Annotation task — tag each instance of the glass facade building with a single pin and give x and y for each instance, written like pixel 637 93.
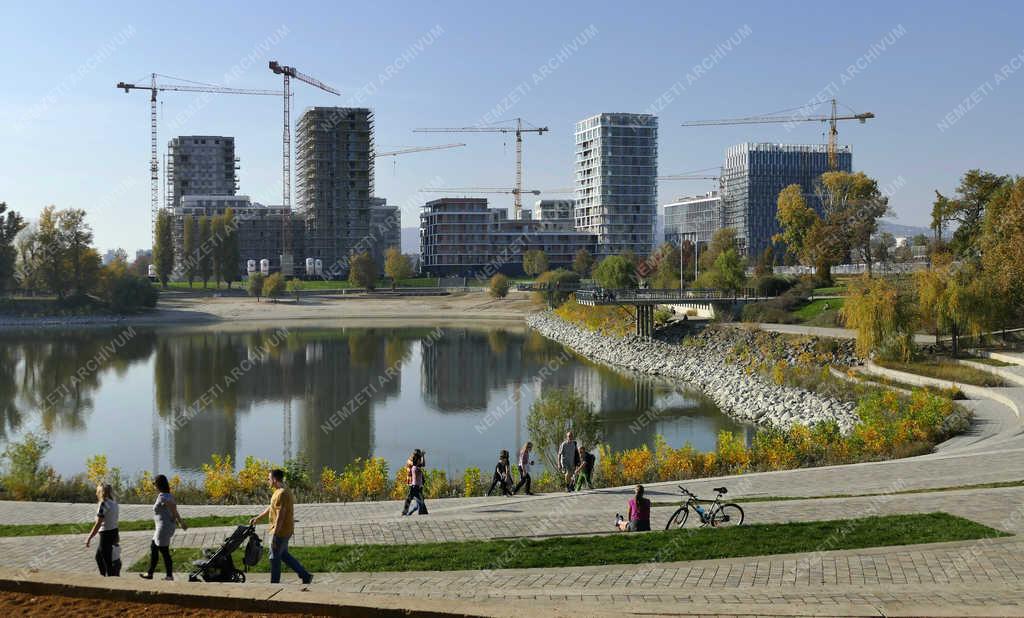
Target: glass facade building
pixel 693 218
pixel 753 176
pixel 616 187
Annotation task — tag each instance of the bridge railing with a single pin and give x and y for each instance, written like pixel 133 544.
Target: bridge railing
pixel 669 295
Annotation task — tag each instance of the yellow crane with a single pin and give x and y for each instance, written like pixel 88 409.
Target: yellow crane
pixel 518 129
pixel 832 120
pixel 153 87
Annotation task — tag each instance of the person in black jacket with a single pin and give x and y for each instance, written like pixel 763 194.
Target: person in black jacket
pixel 502 475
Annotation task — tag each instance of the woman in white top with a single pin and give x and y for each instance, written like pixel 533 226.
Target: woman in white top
pixel 106 526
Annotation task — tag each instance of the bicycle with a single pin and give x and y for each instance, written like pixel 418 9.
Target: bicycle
pixel 718 515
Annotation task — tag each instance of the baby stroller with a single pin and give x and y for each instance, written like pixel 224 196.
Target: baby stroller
pixel 217 565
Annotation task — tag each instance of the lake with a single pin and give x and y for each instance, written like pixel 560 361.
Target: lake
pixel 167 399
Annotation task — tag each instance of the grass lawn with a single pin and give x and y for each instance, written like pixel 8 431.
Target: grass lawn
pixel 832 291
pixel 946 370
pixel 992 362
pixel 659 546
pixel 816 307
pixel 123 526
pixel 957 394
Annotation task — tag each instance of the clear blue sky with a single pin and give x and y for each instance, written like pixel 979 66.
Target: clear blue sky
pixel 70 138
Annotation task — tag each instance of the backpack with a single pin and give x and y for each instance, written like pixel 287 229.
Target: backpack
pixel 253 551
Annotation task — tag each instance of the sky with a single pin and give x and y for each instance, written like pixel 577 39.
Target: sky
pixel 944 79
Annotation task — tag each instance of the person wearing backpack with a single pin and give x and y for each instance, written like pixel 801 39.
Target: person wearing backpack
pixel 108 554
pixel 585 470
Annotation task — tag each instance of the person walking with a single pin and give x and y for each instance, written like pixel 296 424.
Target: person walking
pixel 166 517
pixel 585 469
pixel 282 526
pixel 524 469
pixel 568 459
pixel 502 475
pixel 108 554
pixel 415 464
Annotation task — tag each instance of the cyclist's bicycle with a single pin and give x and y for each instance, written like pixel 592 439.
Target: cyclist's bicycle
pixel 718 515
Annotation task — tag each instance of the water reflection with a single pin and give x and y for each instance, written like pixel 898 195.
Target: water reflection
pixel 171 399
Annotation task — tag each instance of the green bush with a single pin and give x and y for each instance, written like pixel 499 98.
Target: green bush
pixel 129 293
pixel 25 476
pixel 498 286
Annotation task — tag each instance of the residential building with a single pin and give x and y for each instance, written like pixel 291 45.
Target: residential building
pixel 334 183
pixel 259 228
pixel 695 219
pixel 200 165
pixel 559 212
pixel 385 230
pixel 616 187
pixel 463 237
pixel 754 174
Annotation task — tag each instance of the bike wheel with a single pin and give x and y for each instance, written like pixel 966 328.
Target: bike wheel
pixel 678 519
pixel 729 514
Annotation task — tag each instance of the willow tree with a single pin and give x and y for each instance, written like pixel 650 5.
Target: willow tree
pixel 880 312
pixel 1002 257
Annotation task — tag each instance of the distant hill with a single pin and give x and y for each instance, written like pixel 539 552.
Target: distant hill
pixel 411 240
pixel 897 229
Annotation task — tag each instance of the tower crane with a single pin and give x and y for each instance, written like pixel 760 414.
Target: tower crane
pixel 832 120
pixel 686 177
pixel 411 149
pixel 153 87
pixel 518 129
pixel 287 72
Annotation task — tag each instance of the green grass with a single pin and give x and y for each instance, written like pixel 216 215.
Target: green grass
pixel 928 490
pixel 124 526
pixel 830 291
pixel 992 362
pixel 659 546
pixel 946 370
pixel 816 307
pixel 956 394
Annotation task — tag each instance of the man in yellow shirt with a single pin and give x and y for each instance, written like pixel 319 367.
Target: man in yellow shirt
pixel 282 526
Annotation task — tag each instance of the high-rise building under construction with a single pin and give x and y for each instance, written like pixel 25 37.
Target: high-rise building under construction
pixel 334 182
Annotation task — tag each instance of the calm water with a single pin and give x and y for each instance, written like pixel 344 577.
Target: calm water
pixel 169 399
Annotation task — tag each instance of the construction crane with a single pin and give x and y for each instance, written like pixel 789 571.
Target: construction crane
pixel 153 87
pixel 832 120
pixel 518 129
pixel 495 190
pixel 411 149
pixel 686 177
pixel 287 264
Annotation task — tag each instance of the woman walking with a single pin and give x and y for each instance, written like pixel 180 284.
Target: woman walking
pixel 417 461
pixel 502 475
pixel 106 526
pixel 166 518
pixel 524 468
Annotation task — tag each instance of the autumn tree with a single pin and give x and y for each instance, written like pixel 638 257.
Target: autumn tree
pixel 853 205
pixel 881 314
pixel 163 247
pixel 397 266
pixel 583 262
pixel 204 258
pixel 498 286
pixel 967 208
pixel 535 261
pixel 1002 245
pixel 362 271
pixel 665 263
pixel 230 257
pixel 796 219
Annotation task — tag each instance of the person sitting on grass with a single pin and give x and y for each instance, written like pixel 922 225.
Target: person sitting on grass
pixel 639 514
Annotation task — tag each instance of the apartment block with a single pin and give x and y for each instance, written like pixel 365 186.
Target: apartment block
pixel 695 219
pixel 754 174
pixel 334 182
pixel 616 181
pixel 463 237
pixel 385 230
pixel 200 165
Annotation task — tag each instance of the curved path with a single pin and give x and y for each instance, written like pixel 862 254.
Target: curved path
pixel 935 579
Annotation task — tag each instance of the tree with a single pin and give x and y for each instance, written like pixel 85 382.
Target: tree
pixel 362 271
pixel 880 313
pixel 188 249
pixel 204 259
pixel 535 262
pixel 295 287
pixel 765 262
pixel 556 412
pixel 396 265
pixel 274 286
pixel 967 207
pixel 882 248
pixel 822 251
pixel 56 255
pixel 498 286
pixel 1002 244
pixel 255 285
pixel 949 298
pixel 84 261
pixel 230 256
pixel 853 205
pixel 723 239
pixel 583 262
pixel 727 273
pixel 555 286
pixel 216 249
pixel 665 261
pixel 10 225
pixel 796 219
pixel 163 247
pixel 615 272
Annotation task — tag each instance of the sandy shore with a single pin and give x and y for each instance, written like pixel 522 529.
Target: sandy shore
pixel 354 310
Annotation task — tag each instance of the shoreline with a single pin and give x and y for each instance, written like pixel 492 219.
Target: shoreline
pixel 743 396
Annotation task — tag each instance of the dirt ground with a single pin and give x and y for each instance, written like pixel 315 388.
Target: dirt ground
pixel 20 604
